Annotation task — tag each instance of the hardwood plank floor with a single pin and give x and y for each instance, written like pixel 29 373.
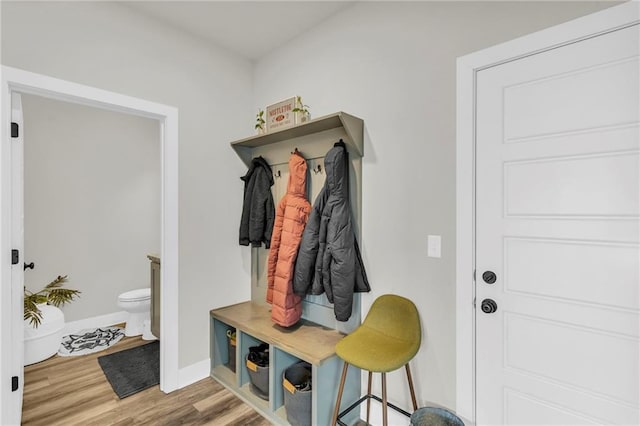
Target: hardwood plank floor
pixel 74 391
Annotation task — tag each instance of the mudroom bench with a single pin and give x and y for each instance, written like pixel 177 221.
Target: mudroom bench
pixel 314 338
pixel 307 341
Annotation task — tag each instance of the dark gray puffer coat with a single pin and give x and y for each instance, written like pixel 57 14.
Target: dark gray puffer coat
pixel 329 258
pixel 258 210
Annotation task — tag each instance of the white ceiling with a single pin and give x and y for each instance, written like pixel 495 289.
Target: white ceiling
pixel 249 28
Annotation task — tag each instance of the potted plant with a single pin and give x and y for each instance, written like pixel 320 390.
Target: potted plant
pixel 260 122
pixel 43 319
pixel 301 110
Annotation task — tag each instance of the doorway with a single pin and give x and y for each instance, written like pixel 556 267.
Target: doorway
pixel 91 204
pixel 11 222
pixel 548 225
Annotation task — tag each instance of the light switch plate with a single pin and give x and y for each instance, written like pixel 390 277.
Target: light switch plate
pixel 434 243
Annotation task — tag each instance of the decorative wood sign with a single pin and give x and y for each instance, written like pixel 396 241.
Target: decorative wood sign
pixel 281 115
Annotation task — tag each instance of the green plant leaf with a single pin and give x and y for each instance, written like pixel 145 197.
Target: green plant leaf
pixel 60 296
pixel 52 294
pixel 31 312
pixel 57 282
pixel 40 298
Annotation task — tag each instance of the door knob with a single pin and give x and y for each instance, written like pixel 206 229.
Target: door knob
pixel 489 277
pixel 489 306
pixel 28 265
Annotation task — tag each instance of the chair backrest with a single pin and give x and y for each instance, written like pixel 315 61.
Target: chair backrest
pixel 395 316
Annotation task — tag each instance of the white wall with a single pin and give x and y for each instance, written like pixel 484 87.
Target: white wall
pixel 108 46
pixel 393 64
pixel 92 201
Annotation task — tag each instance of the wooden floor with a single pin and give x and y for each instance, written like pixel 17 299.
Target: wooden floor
pixel 74 391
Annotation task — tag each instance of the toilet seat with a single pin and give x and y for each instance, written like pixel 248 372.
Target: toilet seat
pixel 135 295
pixel 137 305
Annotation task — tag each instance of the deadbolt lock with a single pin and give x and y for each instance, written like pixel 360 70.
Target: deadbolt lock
pixel 489 277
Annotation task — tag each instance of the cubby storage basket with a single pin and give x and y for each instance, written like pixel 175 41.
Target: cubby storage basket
pixel 259 379
pixel 231 347
pixel 297 402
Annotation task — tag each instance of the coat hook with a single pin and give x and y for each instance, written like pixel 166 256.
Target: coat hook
pixel 317 169
pixel 295 151
pixel 277 175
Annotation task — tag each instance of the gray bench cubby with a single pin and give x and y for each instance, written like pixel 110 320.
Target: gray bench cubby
pixel 307 342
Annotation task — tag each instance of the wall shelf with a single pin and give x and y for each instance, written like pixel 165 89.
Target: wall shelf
pixel 351 126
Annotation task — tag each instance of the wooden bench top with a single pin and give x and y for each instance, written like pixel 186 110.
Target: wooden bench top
pixel 305 340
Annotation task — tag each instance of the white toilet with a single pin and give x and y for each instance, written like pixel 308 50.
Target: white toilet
pixel 138 304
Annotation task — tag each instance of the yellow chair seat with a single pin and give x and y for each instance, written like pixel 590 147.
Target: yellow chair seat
pixel 388 339
pixel 372 350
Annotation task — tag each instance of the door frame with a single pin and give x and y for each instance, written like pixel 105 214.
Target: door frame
pixel 20 81
pixel 608 20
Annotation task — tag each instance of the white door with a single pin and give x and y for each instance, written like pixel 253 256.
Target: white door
pixel 17 270
pixel 557 221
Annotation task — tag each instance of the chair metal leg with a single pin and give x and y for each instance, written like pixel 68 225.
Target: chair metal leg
pixel 413 393
pixel 384 399
pixel 369 394
pixel 336 410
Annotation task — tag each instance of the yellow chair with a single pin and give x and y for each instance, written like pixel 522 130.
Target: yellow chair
pixel 388 338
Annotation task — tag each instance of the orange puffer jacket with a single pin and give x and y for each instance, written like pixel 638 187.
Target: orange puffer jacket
pixel 291 218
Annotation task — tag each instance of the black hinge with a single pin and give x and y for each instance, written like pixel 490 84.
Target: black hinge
pixel 15 256
pixel 14 383
pixel 14 130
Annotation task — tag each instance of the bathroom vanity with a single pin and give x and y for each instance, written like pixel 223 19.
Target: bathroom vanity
pixel 155 294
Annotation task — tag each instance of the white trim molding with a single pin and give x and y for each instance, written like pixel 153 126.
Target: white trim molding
pixel 194 372
pixel 612 19
pixel 15 80
pixel 105 320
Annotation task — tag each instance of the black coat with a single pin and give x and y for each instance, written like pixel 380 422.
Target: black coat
pixel 258 211
pixel 329 259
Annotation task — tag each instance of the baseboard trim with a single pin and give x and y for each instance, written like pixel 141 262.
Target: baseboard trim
pixel 95 322
pixel 194 372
